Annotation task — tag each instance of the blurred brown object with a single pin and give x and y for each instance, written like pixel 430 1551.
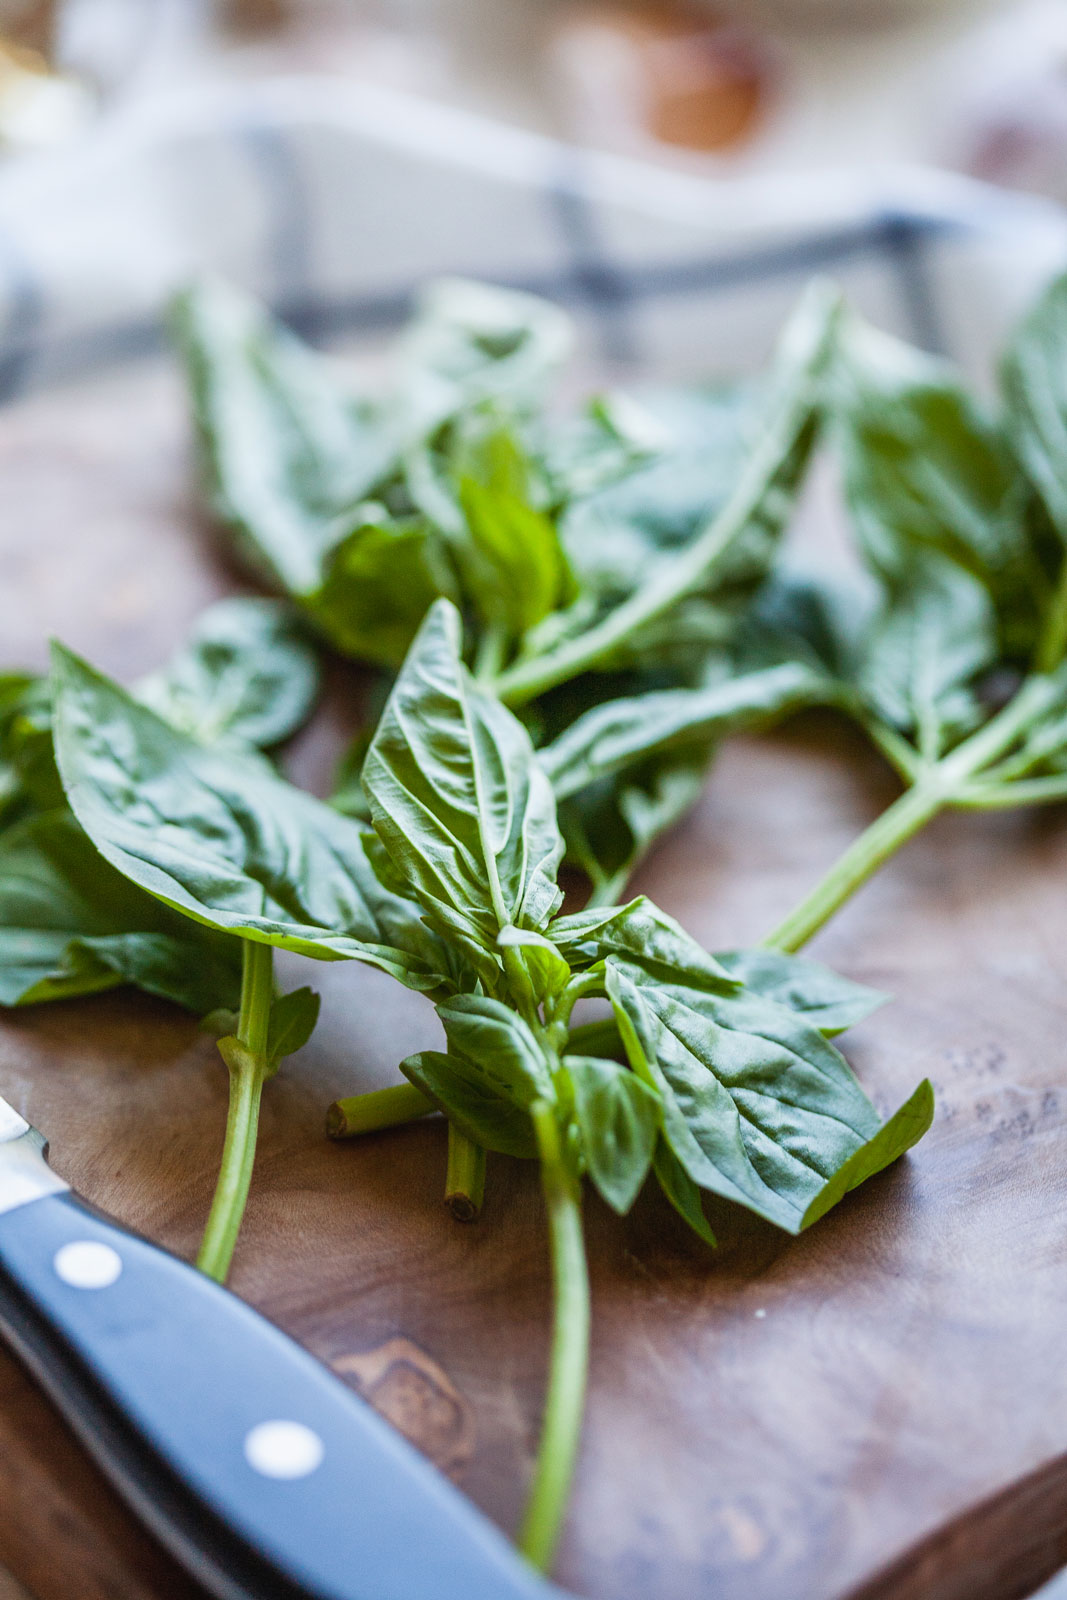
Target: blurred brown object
pixel 256 16
pixel 678 75
pixel 29 25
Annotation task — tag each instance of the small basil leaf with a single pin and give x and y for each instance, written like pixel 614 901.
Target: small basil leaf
pixel 828 1001
pixel 680 1190
pixel 757 1105
pixel 618 1117
pixel 496 1041
pixel 549 972
pixel 457 797
pixel 29 781
pixel 291 1023
pixel 378 581
pixel 474 342
pixel 604 443
pixel 612 736
pixel 285 444
pixel 894 1139
pixel 247 672
pixel 71 925
pixel 512 562
pixel 1033 378
pixel 223 839
pixel 470 1101
pixel 643 934
pixel 925 651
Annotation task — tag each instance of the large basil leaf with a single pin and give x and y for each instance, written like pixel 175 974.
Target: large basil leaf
pixel 758 1107
pixel 925 652
pixel 247 672
pixel 223 839
pixel 612 736
pixel 830 1002
pixel 70 924
pixel 1033 379
pixel 286 445
pixel 618 1118
pixel 926 470
pixel 462 806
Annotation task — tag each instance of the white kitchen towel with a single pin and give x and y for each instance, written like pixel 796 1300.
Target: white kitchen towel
pixel 335 200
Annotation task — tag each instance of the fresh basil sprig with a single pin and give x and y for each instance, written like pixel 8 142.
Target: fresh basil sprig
pixel 727 1088
pixel 959 674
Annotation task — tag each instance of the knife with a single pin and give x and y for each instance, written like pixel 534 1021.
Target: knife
pixel 263 1474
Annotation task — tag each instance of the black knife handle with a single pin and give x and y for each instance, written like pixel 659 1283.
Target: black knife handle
pixel 259 1470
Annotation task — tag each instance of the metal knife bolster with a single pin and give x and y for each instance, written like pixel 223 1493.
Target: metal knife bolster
pixel 261 1472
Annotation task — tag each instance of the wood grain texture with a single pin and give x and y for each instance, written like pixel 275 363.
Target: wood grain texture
pixel 876 1411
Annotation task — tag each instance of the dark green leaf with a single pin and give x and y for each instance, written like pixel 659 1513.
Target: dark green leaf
pixel 458 798
pixel 618 1117
pixel 223 839
pixel 758 1106
pixel 247 672
pixel 70 924
pixel 828 1001
pixel 378 582
pixel 472 1102
pixel 292 1022
pixel 680 1190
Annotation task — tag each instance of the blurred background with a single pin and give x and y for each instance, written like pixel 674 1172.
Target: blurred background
pixel 723 87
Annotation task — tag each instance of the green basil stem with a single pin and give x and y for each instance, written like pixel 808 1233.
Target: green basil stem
pixel 569 1362
pixel 249 1070
pixel 379 1108
pixel 937 785
pixel 1053 641
pixel 465 1177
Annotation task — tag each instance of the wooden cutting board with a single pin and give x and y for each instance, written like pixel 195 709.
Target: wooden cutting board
pixel 878 1409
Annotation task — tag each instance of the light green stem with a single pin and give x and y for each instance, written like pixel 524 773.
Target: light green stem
pixel 937 786
pixel 569 1361
pixel 465 1178
pixel 249 1070
pixel 379 1108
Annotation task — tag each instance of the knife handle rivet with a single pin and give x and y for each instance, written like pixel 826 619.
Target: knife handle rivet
pixel 87 1264
pixel 283 1449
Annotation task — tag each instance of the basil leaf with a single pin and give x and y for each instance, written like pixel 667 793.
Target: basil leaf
pixel 247 672
pixel 925 652
pixel 612 437
pixel 830 1002
pixel 618 1117
pixel 71 925
pixel 471 343
pixel 29 781
pixel 223 839
pixel 457 797
pixel 472 1102
pixel 681 1191
pixel 378 582
pixel 291 1023
pixel 548 971
pixel 285 444
pixel 512 562
pixel 927 471
pixel 1033 379
pixel 643 934
pixel 612 736
pixel 497 1042
pixel 757 1105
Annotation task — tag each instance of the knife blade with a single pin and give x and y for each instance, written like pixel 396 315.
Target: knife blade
pixel 259 1470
